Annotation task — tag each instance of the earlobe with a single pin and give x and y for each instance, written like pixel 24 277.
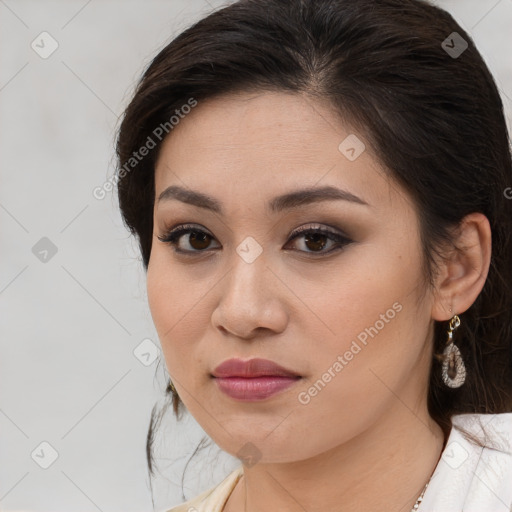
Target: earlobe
pixel 463 272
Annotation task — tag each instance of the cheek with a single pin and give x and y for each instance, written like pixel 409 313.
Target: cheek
pixel 353 294
pixel 168 298
pixel 177 297
pixel 366 312
pixel 164 291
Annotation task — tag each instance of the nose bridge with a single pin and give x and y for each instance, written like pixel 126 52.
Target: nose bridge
pixel 248 297
pixel 247 281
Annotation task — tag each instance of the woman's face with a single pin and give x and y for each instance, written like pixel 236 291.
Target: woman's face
pixel 349 315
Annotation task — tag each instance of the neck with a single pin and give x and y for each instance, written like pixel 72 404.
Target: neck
pixel 385 467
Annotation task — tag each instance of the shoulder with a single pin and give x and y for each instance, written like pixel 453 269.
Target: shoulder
pixel 470 477
pixel 213 499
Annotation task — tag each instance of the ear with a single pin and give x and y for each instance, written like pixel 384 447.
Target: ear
pixel 463 273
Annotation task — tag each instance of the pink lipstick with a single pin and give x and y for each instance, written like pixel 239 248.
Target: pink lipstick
pixel 253 380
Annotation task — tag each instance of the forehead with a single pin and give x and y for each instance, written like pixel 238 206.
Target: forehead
pixel 265 143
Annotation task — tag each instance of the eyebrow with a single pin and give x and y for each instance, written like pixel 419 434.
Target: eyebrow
pixel 288 201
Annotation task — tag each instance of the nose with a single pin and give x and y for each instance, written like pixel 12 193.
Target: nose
pixel 251 299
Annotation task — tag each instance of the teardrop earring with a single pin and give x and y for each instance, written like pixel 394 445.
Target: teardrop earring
pixel 454 370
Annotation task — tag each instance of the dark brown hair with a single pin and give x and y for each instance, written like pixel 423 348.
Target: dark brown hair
pixel 434 119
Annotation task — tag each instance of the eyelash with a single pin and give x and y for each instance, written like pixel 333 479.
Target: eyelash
pixel 172 238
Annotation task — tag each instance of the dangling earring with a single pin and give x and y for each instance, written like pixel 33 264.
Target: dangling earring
pixel 454 370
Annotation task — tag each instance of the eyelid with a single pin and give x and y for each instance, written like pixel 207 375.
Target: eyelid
pixel 315 226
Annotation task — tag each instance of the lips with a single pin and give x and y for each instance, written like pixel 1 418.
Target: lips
pixel 252 368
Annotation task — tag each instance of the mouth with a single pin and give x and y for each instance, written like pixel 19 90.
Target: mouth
pixel 253 380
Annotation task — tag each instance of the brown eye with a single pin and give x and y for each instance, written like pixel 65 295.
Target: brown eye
pixel 316 239
pixel 198 240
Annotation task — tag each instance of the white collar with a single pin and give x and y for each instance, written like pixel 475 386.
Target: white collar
pixel 470 478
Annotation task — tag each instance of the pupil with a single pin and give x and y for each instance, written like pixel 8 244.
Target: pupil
pixel 195 237
pixel 314 238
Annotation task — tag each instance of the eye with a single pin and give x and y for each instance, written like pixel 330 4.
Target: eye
pixel 315 239
pixel 198 239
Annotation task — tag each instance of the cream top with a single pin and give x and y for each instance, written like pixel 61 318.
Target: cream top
pixel 467 478
pixel 214 499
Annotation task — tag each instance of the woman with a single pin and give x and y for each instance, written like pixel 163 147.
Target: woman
pixel 321 193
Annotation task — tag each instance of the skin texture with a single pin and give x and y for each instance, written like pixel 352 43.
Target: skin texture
pixel 365 441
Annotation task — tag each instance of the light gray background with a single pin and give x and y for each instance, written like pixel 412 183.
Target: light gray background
pixel 70 324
